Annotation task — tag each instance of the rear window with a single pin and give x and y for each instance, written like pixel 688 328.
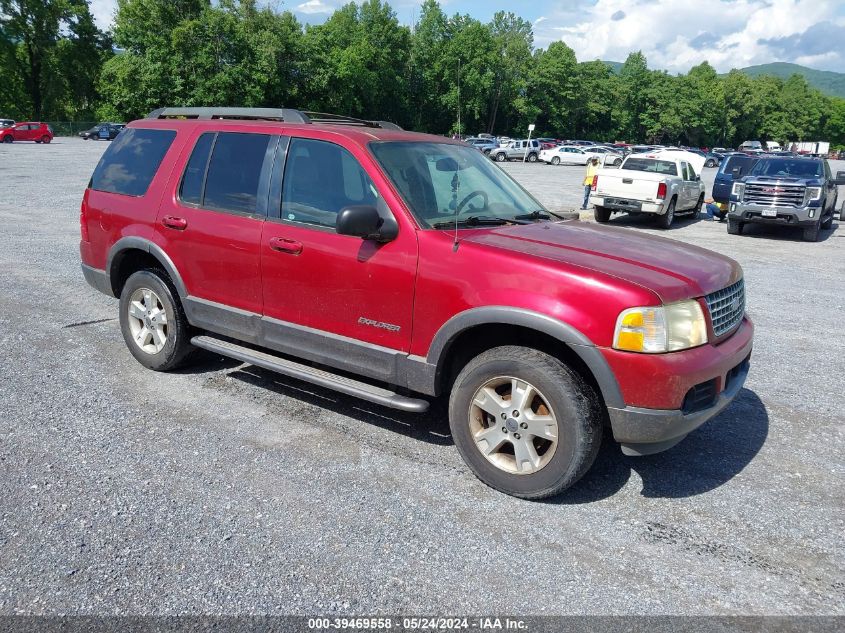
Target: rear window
pixel 649 164
pixel 743 163
pixel 131 161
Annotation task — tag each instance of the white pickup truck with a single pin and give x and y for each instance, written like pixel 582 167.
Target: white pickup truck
pixel 661 184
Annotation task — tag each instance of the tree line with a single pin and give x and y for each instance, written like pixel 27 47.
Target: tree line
pixel 436 76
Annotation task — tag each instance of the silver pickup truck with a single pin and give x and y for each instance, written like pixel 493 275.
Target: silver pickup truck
pixel 660 185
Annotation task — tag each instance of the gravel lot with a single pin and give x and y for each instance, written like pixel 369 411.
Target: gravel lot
pixel 226 489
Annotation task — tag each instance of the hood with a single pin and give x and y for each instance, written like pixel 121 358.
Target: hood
pixel 672 270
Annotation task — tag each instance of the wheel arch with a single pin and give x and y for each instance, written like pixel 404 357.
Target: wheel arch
pixel 471 332
pixel 130 254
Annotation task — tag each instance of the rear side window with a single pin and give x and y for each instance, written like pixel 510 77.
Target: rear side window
pixel 131 161
pixel 234 172
pixel 190 191
pixel 743 163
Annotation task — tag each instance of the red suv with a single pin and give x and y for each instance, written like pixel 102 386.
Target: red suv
pixel 397 267
pixel 28 131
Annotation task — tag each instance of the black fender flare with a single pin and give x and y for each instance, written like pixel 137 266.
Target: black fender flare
pixel 564 332
pixel 125 244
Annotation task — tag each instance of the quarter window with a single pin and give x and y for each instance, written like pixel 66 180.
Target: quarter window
pixel 320 179
pixel 131 161
pixel 190 191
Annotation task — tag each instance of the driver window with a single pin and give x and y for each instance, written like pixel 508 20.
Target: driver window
pixel 320 179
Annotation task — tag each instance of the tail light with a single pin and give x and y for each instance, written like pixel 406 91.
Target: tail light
pixel 661 191
pixel 83 217
pixel 595 182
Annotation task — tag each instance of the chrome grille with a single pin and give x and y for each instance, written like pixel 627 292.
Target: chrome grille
pixel 727 307
pixel 775 195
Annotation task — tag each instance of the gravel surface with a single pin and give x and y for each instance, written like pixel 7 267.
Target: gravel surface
pixel 226 489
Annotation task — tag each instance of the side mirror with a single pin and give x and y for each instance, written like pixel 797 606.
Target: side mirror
pixel 735 172
pixel 698 178
pixel 840 178
pixel 363 221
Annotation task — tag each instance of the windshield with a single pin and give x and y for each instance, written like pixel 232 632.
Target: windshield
pixel 651 165
pixel 798 168
pixel 439 180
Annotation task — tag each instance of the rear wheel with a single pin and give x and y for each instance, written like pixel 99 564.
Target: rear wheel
pixel 556 160
pixel 152 321
pixel 665 221
pixel 710 163
pixel 602 214
pixel 45 139
pixel 532 158
pixel 734 227
pixel 617 162
pixel 524 422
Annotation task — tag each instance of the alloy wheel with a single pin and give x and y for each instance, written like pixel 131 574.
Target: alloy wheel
pixel 513 425
pixel 147 320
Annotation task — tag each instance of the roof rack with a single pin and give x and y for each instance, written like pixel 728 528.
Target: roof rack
pixel 288 115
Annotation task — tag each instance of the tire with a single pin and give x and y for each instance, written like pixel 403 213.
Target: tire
pixel 811 233
pixel 45 139
pixel 710 163
pixel 8 139
pixel 532 158
pixel 176 347
pixel 501 158
pixel 697 208
pixel 665 221
pixel 556 160
pixel 602 214
pixel 734 227
pixel 561 395
pixel 617 162
pixel 828 221
pixel 38 142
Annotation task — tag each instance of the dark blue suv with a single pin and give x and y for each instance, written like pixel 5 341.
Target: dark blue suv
pixel 734 167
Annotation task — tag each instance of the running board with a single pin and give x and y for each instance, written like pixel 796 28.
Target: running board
pixel 319 377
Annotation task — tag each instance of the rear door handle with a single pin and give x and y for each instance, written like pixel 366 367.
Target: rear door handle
pixel 284 245
pixel 172 222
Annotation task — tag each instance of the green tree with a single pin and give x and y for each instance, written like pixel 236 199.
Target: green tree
pixel 555 89
pixel 513 39
pixel 636 81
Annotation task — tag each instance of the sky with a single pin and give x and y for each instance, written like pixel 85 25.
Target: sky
pixel 674 35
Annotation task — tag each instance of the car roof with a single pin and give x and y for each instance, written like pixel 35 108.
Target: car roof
pixel 359 134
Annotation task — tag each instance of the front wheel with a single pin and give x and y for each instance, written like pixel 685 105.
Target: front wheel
pixel 811 233
pixel 501 158
pixel 734 227
pixel 45 139
pixel 602 214
pixel 697 208
pixel 617 162
pixel 153 323
pixel 710 163
pixel 524 423
pixel 8 139
pixel 665 221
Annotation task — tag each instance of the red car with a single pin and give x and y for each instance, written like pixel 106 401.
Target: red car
pixel 401 267
pixel 27 131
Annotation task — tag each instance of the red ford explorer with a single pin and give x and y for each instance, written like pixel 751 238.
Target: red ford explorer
pixel 399 267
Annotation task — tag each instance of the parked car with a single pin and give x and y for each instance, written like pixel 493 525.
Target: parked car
pixel 102 131
pixel 799 192
pixel 548 143
pixel 608 155
pixel 734 167
pixel 662 185
pixel 517 150
pixel 572 155
pixel 484 145
pixel 4 123
pixel 27 131
pixel 305 249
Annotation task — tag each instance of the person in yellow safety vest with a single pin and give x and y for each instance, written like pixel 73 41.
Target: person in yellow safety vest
pixel 592 169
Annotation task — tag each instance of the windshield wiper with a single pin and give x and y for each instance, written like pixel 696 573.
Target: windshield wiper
pixel 538 215
pixel 473 220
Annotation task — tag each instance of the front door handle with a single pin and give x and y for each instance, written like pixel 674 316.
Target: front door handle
pixel 284 245
pixel 172 222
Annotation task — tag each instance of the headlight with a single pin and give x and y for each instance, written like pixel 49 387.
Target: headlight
pixel 654 330
pixel 738 189
pixel 813 193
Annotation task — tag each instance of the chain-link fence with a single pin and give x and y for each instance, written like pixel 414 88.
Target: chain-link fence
pixel 70 128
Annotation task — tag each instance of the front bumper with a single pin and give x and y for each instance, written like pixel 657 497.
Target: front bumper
pixel 786 216
pixel 662 391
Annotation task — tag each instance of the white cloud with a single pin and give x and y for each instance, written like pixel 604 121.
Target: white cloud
pixel 103 12
pixel 677 34
pixel 314 6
